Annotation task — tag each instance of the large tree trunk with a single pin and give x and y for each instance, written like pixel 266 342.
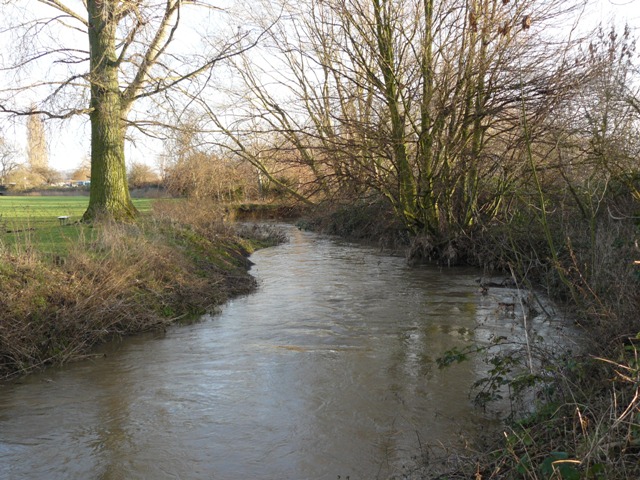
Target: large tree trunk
pixel 109 190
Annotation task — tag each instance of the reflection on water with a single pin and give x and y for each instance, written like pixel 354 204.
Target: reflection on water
pixel 327 370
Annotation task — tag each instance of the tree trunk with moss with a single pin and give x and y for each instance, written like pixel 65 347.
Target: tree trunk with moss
pixel 405 199
pixel 109 189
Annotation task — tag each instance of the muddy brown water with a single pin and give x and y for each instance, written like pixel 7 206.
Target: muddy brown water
pixel 327 371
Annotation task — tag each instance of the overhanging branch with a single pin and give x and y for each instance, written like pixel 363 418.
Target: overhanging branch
pixel 46 113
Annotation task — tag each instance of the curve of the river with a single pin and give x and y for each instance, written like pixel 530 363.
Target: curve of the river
pixel 326 372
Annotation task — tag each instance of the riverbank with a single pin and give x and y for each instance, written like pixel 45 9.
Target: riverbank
pixel 575 414
pixel 112 279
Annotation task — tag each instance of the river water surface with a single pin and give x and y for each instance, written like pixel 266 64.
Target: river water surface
pixel 327 371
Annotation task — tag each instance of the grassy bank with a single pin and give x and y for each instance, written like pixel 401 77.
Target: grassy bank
pixel 33 222
pixel 68 288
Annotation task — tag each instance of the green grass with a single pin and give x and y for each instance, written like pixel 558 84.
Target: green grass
pixel 33 221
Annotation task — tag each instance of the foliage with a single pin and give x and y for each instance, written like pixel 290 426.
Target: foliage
pixel 580 418
pixel 83 172
pixel 366 219
pixel 208 177
pixel 141 175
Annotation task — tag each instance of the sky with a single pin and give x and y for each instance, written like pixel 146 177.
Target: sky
pixel 627 9
pixel 69 142
pixel 620 11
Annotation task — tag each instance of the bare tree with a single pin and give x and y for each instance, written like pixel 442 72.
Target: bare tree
pixel 141 175
pixel 103 57
pixel 83 172
pixel 594 138
pixel 420 101
pixel 8 160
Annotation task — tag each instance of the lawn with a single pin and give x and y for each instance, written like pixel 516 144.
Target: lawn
pixel 33 221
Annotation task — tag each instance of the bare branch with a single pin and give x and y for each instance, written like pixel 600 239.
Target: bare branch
pixel 46 113
pixel 59 5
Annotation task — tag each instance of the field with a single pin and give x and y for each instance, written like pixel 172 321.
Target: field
pixel 33 221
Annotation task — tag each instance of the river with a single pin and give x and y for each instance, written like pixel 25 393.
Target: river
pixel 327 371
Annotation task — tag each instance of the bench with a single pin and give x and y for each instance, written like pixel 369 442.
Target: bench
pixel 63 219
